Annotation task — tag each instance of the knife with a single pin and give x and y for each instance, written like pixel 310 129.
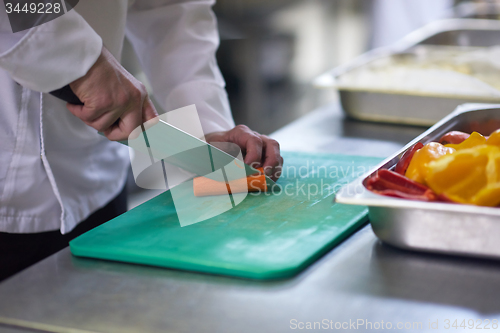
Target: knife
pixel 185 151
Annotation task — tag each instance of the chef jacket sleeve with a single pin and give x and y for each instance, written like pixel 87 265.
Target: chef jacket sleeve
pixel 51 55
pixel 176 43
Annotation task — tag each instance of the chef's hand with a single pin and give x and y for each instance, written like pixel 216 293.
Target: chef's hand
pixel 115 103
pixel 259 150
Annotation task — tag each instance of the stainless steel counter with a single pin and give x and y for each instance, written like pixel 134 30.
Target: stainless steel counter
pixel 361 279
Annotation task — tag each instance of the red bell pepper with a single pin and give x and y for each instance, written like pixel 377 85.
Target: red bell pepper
pixel 454 137
pixel 390 183
pixel 405 160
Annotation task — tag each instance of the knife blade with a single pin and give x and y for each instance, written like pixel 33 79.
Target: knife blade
pixel 181 149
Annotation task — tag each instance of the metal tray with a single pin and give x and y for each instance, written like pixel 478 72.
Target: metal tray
pixel 477 10
pixel 413 108
pixel 430 226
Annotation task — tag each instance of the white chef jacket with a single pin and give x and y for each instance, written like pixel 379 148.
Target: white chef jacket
pixel 55 170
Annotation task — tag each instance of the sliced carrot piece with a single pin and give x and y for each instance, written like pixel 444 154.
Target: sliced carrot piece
pixel 203 186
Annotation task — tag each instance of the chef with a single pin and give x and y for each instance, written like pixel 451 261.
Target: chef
pixel 58 177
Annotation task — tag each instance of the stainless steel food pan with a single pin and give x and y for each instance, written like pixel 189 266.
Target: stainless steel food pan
pixel 431 226
pixel 410 107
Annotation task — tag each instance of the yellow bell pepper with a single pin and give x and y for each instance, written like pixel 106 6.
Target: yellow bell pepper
pixel 470 175
pixel 494 139
pixel 488 196
pixel 418 167
pixel 474 140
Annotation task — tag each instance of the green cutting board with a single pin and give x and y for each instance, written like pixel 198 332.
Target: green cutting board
pixel 267 236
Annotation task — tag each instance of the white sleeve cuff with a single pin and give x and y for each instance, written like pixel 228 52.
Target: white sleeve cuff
pixel 53 54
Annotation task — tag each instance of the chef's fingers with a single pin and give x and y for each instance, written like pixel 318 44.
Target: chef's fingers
pixel 249 142
pixel 149 118
pixel 106 121
pixel 88 116
pixel 76 110
pixel 272 158
pixel 85 113
pixel 90 112
pixel 259 150
pixel 279 170
pixel 122 128
pixel 149 111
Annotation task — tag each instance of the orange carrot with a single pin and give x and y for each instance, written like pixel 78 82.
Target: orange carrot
pixel 203 186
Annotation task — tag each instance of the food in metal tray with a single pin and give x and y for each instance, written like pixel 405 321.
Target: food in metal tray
pixel 465 170
pixel 431 71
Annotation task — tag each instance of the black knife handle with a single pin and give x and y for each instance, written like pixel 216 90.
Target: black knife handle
pixel 67 95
